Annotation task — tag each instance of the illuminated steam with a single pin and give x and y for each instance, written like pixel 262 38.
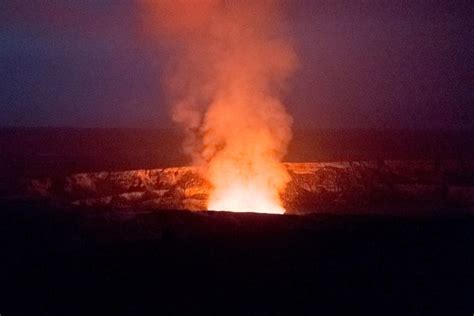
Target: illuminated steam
pixel 228 67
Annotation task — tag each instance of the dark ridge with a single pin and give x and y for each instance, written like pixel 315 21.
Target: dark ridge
pixel 96 261
pixel 60 151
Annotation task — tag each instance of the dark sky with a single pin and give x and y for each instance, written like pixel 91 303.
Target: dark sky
pixel 365 64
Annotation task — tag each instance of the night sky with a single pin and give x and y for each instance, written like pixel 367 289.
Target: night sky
pixel 363 64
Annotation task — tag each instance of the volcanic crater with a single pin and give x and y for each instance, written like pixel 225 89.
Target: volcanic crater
pixel 315 187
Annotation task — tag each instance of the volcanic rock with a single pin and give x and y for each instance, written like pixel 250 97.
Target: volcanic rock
pixel 314 187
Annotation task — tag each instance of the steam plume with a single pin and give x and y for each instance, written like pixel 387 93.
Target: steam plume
pixel 230 62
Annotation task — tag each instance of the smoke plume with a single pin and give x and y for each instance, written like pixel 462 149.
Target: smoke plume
pixel 229 64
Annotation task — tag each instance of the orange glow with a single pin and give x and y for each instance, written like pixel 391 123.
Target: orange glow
pixel 250 183
pixel 228 71
pixel 245 198
pixel 243 153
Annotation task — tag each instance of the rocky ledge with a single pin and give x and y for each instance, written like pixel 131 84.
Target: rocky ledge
pixel 383 186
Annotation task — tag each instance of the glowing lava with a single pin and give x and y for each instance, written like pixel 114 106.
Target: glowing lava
pixel 245 198
pixel 246 174
pixel 251 193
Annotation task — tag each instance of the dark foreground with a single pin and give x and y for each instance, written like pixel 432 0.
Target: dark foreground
pixel 84 261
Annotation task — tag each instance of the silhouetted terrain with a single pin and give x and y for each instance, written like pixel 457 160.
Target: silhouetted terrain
pixel 53 151
pixel 80 261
